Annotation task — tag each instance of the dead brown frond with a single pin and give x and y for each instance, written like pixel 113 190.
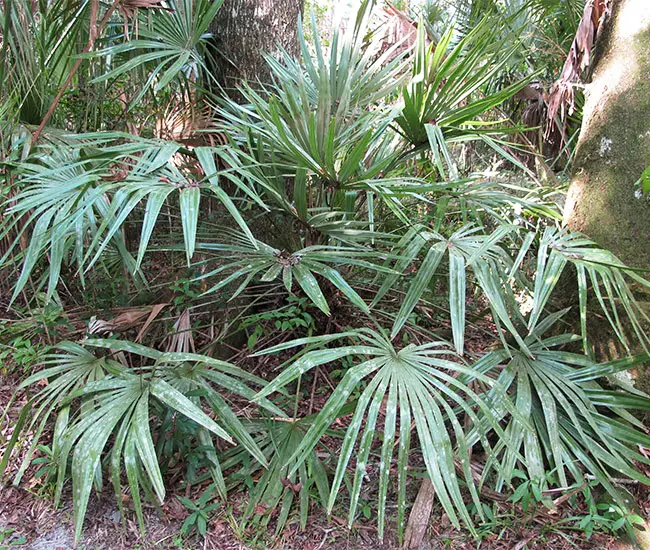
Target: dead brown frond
pixel 400 30
pixel 561 100
pixel 129 8
pixel 183 119
pixel 181 340
pixel 125 319
pixel 190 122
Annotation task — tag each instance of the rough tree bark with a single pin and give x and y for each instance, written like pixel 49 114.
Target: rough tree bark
pixel 244 29
pixel 614 144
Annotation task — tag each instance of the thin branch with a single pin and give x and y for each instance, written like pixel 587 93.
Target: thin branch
pixel 93 33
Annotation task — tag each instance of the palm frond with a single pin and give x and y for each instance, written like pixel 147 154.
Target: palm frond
pixel 445 92
pixel 247 261
pixel 171 41
pixel 415 384
pixel 97 397
pixel 76 197
pixel 579 426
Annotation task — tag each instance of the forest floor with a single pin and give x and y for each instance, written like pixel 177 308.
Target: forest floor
pixel 28 518
pixel 30 521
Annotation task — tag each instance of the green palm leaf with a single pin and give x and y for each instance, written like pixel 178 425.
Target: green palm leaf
pixel 573 415
pixel 416 382
pixel 172 41
pixel 260 260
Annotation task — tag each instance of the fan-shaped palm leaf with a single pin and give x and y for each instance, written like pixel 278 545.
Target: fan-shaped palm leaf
pixel 245 261
pixel 96 398
pixel 465 248
pixel 415 384
pixel 445 90
pixel 173 39
pixel 77 195
pixel 579 426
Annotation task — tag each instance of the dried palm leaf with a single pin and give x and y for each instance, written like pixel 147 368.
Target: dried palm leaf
pixel 183 119
pixel 181 340
pixel 129 8
pixel 562 94
pixel 126 319
pixel 400 30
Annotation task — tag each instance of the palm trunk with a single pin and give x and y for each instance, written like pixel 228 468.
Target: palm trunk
pixel 244 29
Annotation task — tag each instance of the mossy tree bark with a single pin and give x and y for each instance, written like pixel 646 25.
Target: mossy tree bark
pixel 614 144
pixel 244 30
pixel 613 151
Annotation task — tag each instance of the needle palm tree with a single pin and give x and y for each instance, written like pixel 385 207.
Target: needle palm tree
pixel 339 182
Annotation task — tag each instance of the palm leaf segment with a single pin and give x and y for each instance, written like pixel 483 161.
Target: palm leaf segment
pixel 599 273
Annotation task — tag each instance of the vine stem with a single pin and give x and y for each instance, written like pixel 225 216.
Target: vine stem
pixel 93 33
pixel 295 406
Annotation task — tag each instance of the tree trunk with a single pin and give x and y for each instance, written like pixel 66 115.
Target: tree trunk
pixel 614 145
pixel 244 29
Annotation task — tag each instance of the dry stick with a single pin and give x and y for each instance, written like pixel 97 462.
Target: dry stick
pixel 418 522
pixel 93 33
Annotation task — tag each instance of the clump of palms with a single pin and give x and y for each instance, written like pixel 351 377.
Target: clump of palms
pixel 338 182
